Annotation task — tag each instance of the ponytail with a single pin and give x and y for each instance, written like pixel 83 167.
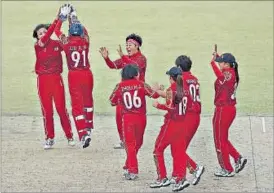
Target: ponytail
pixel 179 89
pixel 235 66
pixel 236 72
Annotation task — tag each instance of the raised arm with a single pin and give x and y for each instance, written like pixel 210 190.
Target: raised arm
pixel 216 69
pixel 117 64
pixel 46 37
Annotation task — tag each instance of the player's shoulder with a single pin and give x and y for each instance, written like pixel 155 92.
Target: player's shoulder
pixel 117 86
pixel 143 57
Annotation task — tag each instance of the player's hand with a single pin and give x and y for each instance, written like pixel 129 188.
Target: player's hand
pixel 73 15
pixel 155 104
pixel 64 11
pixel 155 86
pixel 214 56
pixel 162 87
pixel 104 52
pixel 120 51
pixel 63 39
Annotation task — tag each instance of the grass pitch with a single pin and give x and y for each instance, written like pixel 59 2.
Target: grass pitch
pixel 168 30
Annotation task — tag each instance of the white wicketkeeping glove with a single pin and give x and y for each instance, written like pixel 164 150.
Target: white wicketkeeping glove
pixel 64 11
pixel 73 15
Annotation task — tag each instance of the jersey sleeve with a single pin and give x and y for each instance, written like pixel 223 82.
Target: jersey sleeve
pixel 216 70
pixel 141 61
pixel 169 101
pixel 50 30
pixel 149 92
pixel 114 97
pixel 117 64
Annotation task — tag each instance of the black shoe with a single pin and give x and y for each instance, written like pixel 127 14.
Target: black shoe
pixel 86 140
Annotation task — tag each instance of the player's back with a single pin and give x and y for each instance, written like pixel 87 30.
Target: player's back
pixel 77 50
pixel 192 93
pixel 133 93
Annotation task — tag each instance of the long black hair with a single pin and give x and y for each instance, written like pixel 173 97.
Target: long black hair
pixel 235 66
pixel 129 72
pixel 179 88
pixel 184 62
pixel 34 34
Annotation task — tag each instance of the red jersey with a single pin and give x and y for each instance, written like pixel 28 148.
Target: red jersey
pixel 225 86
pixel 48 54
pixel 174 111
pixel 191 93
pixel 76 49
pixel 131 95
pixel 138 59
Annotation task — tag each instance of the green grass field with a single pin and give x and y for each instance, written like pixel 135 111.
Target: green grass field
pixel 168 30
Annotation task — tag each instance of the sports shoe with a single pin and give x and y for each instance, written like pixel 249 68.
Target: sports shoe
pixel 173 180
pixel 86 140
pixel 240 164
pixel 131 176
pixel 48 143
pixel 119 146
pixel 160 183
pixel 71 142
pixel 89 131
pixel 180 185
pixel 197 174
pixel 125 172
pixel 224 173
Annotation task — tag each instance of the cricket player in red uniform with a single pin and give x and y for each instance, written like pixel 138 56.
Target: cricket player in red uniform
pixel 48 67
pixel 192 112
pixel 225 111
pixel 130 93
pixel 133 44
pixel 172 133
pixel 80 78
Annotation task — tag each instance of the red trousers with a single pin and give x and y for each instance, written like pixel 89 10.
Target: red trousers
pixel 80 88
pixel 190 126
pixel 119 109
pixel 133 131
pixel 171 134
pixel 223 118
pixel 51 89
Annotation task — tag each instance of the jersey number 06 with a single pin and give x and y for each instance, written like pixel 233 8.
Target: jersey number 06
pixel 132 101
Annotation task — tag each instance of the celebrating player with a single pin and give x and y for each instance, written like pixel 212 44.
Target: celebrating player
pixel 130 94
pixel 225 111
pixel 192 111
pixel 48 67
pixel 133 44
pixel 80 77
pixel 172 133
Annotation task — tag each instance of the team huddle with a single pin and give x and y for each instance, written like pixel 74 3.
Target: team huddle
pixel 182 100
